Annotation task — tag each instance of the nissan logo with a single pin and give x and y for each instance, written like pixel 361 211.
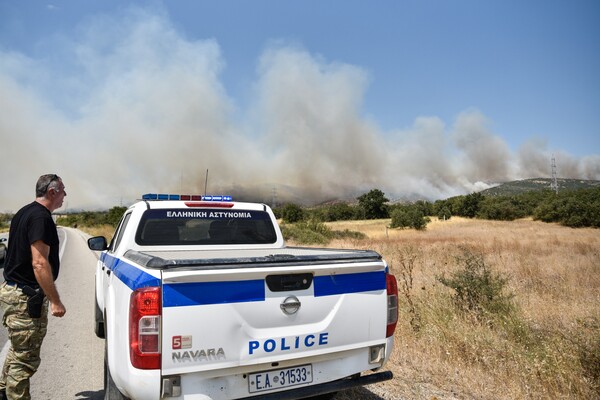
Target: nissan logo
pixel 290 305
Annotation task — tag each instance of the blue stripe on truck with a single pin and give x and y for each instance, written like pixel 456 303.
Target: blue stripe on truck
pixel 203 293
pixel 330 285
pixel 131 276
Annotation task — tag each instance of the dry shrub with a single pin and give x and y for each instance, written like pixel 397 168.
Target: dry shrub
pixel 406 260
pixel 478 289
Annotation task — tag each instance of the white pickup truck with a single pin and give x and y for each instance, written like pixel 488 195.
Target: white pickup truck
pixel 198 297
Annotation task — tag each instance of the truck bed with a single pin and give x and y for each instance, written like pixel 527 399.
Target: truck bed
pixel 258 258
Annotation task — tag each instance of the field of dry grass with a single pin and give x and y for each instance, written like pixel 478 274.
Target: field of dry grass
pixel 547 348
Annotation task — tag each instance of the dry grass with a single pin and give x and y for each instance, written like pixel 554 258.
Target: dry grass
pixel 548 348
pixel 102 230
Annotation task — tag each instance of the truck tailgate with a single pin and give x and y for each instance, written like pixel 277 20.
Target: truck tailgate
pixel 253 311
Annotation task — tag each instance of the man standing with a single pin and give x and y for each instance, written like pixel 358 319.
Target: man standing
pixel 32 265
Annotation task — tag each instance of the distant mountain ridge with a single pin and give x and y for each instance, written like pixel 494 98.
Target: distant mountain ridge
pixel 538 184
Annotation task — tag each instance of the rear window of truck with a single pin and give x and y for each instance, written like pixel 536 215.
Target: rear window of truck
pixel 180 227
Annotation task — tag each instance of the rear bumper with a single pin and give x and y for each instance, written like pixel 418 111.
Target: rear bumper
pixel 328 387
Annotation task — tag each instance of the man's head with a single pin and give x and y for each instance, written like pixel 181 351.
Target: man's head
pixel 50 191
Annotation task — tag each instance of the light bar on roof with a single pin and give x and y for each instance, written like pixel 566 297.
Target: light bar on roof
pixel 185 197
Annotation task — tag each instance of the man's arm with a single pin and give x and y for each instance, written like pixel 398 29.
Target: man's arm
pixel 43 274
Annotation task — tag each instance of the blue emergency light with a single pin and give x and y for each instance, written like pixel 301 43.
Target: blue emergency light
pixel 185 197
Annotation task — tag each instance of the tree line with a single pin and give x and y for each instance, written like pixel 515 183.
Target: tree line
pixel 573 208
pixel 93 218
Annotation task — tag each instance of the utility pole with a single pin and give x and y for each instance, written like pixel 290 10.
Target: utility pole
pixel 554 183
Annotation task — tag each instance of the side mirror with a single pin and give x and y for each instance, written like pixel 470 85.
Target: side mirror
pixel 97 243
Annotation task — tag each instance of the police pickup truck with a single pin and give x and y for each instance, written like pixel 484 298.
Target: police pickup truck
pixel 198 297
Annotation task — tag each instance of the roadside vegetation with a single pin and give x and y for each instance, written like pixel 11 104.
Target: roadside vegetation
pixel 4 219
pixel 94 223
pixel 93 218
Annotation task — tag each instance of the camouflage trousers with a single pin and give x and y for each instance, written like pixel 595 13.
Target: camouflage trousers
pixel 26 335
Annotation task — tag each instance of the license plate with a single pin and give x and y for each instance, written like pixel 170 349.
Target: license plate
pixel 279 378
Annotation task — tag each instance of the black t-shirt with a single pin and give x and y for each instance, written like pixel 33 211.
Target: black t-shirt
pixel 31 223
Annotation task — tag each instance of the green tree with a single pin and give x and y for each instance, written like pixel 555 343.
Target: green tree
pixel 340 212
pixel 409 217
pixel 373 205
pixel 442 209
pixel 456 204
pixel 292 213
pixel 114 215
pixel 470 205
pixel 503 208
pixel 444 213
pixel 580 208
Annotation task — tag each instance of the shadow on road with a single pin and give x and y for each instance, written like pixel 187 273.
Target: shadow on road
pixel 357 393
pixel 99 395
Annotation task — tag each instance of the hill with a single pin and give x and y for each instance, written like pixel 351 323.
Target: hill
pixel 538 184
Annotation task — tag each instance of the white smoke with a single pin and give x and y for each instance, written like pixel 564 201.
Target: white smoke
pixel 135 107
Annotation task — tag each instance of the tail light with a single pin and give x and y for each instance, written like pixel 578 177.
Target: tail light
pixel 144 328
pixel 392 304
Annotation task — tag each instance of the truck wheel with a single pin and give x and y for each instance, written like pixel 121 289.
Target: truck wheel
pixel 111 392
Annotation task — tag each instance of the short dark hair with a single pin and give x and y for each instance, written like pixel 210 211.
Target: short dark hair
pixel 43 184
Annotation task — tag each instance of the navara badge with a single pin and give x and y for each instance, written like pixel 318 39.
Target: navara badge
pixel 290 305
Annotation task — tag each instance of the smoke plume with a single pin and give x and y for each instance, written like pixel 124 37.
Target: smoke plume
pixel 132 106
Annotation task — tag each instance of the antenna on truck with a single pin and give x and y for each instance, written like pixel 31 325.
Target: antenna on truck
pixel 206 181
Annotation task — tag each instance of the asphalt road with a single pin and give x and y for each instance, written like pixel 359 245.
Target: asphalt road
pixel 72 355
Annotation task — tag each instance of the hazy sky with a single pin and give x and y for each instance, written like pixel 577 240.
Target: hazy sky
pixel 304 100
